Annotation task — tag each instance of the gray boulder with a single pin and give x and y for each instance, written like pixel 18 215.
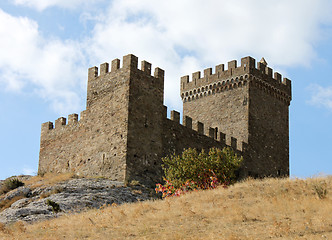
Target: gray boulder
pixel 74 195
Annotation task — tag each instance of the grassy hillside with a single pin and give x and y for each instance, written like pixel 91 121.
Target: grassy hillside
pixel 253 209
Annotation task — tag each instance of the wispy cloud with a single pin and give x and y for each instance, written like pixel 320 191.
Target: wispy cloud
pixel 28 171
pixel 321 96
pixel 41 5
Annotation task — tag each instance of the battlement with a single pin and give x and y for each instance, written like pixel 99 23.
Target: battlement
pixel 212 133
pixel 129 63
pixel 109 80
pixel 61 123
pixel 235 77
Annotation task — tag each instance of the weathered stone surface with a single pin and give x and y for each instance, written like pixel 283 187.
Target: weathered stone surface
pixel 20 203
pixel 21 191
pixel 76 195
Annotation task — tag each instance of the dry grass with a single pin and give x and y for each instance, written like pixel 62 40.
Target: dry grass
pixel 253 209
pixel 4 204
pixel 48 179
pixel 10 184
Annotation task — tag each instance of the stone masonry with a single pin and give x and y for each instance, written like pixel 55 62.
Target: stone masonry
pixel 124 131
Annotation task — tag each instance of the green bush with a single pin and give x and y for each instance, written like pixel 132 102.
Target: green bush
pixel 10 184
pixel 55 206
pixel 199 170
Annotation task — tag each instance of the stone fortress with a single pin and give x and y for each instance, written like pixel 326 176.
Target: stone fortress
pixel 124 131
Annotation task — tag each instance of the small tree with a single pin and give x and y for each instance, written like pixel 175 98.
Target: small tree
pixel 10 184
pixel 198 170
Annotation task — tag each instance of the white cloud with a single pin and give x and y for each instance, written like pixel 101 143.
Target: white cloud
pixel 186 36
pixel 49 66
pixel 29 171
pixel 179 36
pixel 321 96
pixel 41 5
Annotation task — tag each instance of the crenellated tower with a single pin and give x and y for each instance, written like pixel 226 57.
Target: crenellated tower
pixel 119 134
pixel 247 102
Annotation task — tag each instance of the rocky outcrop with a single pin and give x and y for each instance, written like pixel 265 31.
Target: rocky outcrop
pixel 74 195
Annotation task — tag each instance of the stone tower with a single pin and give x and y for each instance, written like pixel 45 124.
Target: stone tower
pixel 119 134
pixel 248 103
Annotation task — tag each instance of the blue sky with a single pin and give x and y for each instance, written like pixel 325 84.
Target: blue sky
pixel 48 45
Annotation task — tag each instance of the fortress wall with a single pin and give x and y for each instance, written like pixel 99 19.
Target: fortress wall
pixel 219 77
pixel 225 109
pixel 220 100
pixel 248 102
pixel 178 137
pixel 124 131
pixel 269 128
pixel 97 144
pixel 82 148
pixel 145 123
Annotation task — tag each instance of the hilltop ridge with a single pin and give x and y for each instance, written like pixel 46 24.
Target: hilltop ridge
pixel 252 209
